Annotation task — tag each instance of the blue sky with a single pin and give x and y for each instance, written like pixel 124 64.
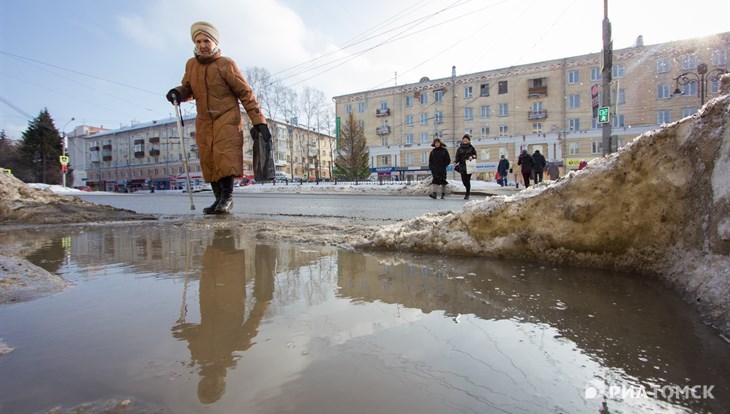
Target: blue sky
pixel 107 63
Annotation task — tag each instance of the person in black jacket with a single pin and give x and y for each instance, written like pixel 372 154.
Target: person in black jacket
pixel 438 161
pixel 465 152
pixel 503 170
pixel 539 165
pixel 525 160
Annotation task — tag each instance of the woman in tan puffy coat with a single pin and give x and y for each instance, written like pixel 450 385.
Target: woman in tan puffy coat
pixel 217 85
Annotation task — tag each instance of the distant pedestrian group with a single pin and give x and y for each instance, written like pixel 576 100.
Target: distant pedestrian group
pixel 532 167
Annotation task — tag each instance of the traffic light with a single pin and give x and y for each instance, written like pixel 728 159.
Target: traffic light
pixel 603 115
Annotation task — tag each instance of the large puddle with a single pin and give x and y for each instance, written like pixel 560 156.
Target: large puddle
pixel 207 320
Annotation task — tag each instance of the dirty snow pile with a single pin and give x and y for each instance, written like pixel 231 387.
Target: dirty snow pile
pixel 23 204
pixel 661 205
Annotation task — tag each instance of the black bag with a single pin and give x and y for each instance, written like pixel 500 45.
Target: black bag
pixel 510 170
pixel 263 160
pixel 457 168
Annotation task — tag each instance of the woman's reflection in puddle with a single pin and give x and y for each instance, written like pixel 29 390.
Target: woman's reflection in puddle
pixel 223 327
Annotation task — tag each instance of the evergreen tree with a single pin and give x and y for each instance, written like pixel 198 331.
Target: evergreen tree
pixel 39 151
pixel 8 153
pixel 352 162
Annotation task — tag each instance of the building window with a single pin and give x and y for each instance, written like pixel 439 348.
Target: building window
pixel 595 73
pixel 468 92
pixel 468 114
pixel 688 111
pixel 663 117
pixel 689 62
pixel 348 109
pixel 424 98
pixel 409 159
pixel 574 148
pixel 502 86
pixel 574 101
pixel 503 130
pixel 617 71
pixel 361 107
pixel 438 96
pixel 409 139
pixel 485 111
pixel 424 118
pixel 484 89
pixel 484 154
pixel 485 131
pixel 503 109
pixel 690 89
pixel 662 91
pixel 714 85
pixel 424 137
pixel 383 105
pixel 621 96
pixel 439 117
pixel 574 124
pixel 409 100
pixel 537 127
pixel 618 121
pixel 596 147
pixel 573 76
pixel 424 158
pixel 409 120
pixel 662 65
pixel 719 58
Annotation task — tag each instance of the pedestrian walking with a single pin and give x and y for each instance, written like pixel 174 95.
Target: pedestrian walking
pixel 553 171
pixel 465 152
pixel 438 161
pixel 503 170
pixel 538 161
pixel 217 85
pixel 526 163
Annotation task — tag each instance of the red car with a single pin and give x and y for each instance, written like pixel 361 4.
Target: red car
pixel 83 188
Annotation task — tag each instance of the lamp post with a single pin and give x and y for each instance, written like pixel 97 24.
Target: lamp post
pixel 702 76
pixel 65 145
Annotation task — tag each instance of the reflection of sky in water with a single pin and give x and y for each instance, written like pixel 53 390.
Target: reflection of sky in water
pixel 200 320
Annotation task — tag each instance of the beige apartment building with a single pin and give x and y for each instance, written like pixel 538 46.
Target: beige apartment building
pixel 546 106
pixel 150 155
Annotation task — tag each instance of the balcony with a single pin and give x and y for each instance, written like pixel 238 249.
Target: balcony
pixel 382 112
pixel 96 148
pixel 107 158
pixel 537 114
pixel 154 153
pixel 382 130
pixel 138 154
pixel 194 148
pixel 534 91
pixel 154 140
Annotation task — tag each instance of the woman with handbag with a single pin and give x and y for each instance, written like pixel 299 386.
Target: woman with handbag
pixel 465 152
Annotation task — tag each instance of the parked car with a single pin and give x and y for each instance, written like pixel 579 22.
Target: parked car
pixel 281 177
pixel 83 188
pixel 246 181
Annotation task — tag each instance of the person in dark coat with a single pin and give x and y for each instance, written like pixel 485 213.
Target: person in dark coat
pixel 553 171
pixel 438 161
pixel 525 161
pixel 503 170
pixel 465 152
pixel 539 165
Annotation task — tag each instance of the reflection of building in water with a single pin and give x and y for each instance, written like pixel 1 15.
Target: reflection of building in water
pixel 224 327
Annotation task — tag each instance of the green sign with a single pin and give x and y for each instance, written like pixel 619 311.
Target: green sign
pixel 603 115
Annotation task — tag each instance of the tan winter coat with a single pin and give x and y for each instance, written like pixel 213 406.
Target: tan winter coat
pixel 217 86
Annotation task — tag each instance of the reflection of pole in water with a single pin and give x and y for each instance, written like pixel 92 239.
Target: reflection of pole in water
pixel 188 261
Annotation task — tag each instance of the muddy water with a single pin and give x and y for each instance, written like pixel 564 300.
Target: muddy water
pixel 186 321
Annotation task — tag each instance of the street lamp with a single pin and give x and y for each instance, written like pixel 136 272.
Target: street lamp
pixel 702 77
pixel 65 145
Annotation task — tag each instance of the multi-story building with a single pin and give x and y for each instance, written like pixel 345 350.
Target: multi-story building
pixel 547 106
pixel 150 155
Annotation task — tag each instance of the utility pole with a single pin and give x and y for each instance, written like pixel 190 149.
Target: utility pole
pixel 606 77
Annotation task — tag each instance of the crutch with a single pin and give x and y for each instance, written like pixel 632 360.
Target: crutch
pixel 178 115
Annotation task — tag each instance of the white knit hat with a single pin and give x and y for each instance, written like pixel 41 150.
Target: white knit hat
pixel 207 29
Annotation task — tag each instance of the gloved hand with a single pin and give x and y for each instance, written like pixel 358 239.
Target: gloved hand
pixel 173 96
pixel 263 129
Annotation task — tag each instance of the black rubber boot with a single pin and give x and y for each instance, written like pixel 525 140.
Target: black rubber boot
pixel 217 193
pixel 226 201
pixel 443 191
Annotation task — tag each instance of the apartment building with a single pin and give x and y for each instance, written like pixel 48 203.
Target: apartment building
pixel 546 106
pixel 151 155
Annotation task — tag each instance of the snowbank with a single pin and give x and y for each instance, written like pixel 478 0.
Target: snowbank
pixel 661 205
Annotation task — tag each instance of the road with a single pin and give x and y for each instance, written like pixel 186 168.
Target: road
pixel 286 206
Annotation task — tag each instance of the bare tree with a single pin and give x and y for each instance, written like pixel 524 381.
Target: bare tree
pixel 261 83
